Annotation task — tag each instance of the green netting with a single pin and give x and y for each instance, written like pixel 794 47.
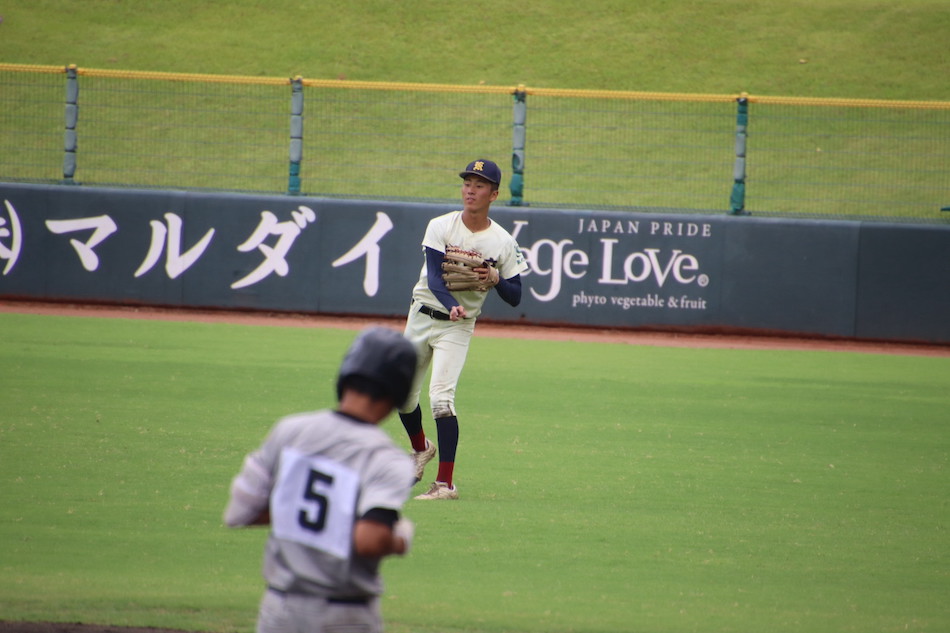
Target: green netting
pixel 32 124
pixel 581 150
pixel 849 161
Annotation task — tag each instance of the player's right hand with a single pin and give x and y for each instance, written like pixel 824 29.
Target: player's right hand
pixel 404 529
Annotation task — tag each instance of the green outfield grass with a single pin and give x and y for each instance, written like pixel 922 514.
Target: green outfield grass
pixel 605 487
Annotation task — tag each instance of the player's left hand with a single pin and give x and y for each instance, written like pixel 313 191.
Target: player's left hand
pixel 488 276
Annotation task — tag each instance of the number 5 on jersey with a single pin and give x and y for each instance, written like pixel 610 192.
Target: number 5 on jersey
pixel 314 502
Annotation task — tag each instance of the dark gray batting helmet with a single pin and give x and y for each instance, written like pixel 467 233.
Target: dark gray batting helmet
pixel 383 357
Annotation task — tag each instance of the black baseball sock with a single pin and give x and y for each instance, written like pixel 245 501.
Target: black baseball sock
pixel 412 422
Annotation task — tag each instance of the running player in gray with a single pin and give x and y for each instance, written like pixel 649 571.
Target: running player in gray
pixel 331 485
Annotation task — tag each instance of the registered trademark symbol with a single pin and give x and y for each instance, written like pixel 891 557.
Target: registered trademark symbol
pixel 703 281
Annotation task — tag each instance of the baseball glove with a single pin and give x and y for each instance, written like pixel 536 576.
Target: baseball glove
pixel 458 270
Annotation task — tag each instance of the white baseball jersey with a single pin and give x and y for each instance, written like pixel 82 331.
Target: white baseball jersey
pixel 322 471
pixel 494 243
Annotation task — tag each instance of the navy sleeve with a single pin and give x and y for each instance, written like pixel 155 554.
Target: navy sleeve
pixel 510 290
pixel 434 278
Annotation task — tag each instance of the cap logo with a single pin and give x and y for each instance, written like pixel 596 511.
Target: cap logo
pixel 479 165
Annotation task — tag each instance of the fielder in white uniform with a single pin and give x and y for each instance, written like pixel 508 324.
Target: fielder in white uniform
pixel 331 485
pixel 440 323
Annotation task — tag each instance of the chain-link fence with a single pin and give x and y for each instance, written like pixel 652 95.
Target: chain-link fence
pixel 559 148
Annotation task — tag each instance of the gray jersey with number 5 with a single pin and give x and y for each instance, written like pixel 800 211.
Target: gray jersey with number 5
pixel 324 470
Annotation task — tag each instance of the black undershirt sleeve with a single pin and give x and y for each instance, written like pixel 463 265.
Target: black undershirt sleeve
pixel 386 516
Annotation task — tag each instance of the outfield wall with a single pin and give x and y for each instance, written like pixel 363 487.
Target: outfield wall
pixel 667 271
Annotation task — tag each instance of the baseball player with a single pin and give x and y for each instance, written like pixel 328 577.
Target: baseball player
pixel 466 254
pixel 331 485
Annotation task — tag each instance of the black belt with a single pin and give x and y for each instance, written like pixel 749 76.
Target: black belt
pixel 435 314
pixel 350 600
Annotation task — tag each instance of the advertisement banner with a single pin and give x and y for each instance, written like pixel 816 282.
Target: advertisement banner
pixel 673 271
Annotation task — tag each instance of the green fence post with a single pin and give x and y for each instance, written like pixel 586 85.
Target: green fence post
pixel 519 116
pixel 737 198
pixel 296 135
pixel 72 118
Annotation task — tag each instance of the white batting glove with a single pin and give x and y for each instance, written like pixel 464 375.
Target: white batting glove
pixel 406 530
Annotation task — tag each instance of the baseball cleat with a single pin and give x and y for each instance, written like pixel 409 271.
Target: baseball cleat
pixel 439 490
pixel 421 458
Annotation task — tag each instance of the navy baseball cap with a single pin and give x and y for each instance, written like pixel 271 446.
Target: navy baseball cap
pixel 483 169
